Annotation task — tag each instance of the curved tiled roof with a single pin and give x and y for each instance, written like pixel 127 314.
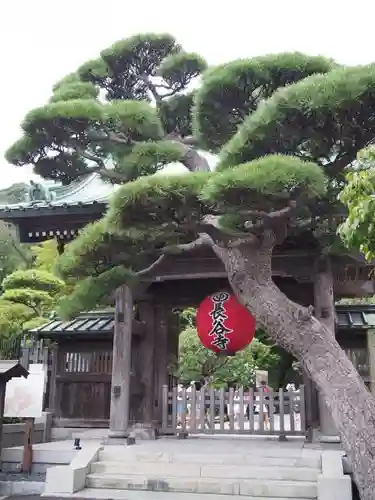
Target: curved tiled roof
pixel 89 190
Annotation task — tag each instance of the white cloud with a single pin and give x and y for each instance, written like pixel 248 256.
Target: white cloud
pixel 41 43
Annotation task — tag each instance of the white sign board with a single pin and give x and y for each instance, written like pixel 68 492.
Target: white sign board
pixel 24 396
pixel 261 375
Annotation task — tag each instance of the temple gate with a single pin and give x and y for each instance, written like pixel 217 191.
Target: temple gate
pixel 128 381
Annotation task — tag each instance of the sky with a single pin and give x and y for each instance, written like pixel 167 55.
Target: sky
pixel 42 41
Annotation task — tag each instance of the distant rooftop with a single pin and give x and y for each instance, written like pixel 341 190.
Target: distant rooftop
pixel 88 190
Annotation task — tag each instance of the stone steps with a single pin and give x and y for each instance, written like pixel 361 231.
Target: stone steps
pixel 262 488
pixel 189 470
pixel 264 472
pixel 131 455
pixel 105 494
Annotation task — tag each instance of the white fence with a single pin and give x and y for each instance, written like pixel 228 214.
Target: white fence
pixel 211 411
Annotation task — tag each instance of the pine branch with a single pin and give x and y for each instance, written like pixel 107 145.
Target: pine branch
pixel 153 266
pixel 118 138
pixel 152 88
pixel 202 241
pixel 191 159
pixel 277 214
pixel 102 169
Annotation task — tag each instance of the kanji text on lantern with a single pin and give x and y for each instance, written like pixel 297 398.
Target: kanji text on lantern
pixel 218 314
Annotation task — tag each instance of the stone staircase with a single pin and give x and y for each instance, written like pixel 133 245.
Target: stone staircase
pixel 273 473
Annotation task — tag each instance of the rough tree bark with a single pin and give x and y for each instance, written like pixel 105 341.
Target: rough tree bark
pixel 295 329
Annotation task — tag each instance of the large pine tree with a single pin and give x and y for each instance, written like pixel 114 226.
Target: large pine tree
pixel 284 126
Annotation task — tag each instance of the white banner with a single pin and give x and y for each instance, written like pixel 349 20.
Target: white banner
pixel 24 396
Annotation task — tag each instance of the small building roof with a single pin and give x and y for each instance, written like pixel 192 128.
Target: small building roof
pixel 87 324
pixel 10 369
pixel 355 316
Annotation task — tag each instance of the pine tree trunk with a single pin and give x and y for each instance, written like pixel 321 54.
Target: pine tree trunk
pixel 295 329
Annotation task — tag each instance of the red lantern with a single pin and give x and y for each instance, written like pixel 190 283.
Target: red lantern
pixel 224 325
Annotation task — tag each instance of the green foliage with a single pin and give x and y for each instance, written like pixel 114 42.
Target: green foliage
pixel 197 363
pixel 63 117
pixel 158 200
pixel 176 114
pixel 142 53
pixel 34 299
pixel 366 158
pixel 280 123
pixel 70 79
pixel 94 71
pixel 23 150
pixel 265 184
pixel 13 255
pixel 12 311
pixel 358 230
pixel 33 279
pixel 98 249
pixel 232 91
pixel 27 295
pixel 89 293
pixel 147 158
pixel 45 255
pixel 34 323
pixel 180 68
pixel 75 133
pixel 323 118
pixel 136 120
pixel 12 318
pixel 76 90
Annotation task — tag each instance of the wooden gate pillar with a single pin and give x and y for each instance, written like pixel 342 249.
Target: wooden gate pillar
pixel 162 325
pixel 121 364
pixel 147 359
pixel 325 312
pixel 173 341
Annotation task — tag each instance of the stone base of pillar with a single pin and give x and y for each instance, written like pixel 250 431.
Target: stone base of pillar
pixel 328 431
pixel 114 441
pixel 117 434
pixel 118 438
pixel 329 439
pixel 143 432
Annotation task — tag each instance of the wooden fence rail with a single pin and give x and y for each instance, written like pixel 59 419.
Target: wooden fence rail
pixel 221 411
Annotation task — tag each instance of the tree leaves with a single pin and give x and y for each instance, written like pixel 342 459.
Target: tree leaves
pixel 231 92
pixel 265 184
pixel 196 363
pixel 137 121
pixel 159 201
pixel 128 113
pixel 358 230
pixel 35 279
pixel 323 118
pixel 88 293
pixel 75 90
pixel 28 294
pixel 179 69
pixel 147 158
